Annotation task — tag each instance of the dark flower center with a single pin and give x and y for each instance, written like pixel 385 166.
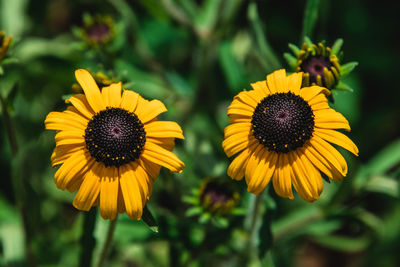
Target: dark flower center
pixel 282 122
pixel 115 137
pixel 314 65
pixel 98 32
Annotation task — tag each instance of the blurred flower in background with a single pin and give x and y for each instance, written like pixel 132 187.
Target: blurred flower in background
pixel 281 132
pixel 215 200
pixel 4 44
pixel 97 30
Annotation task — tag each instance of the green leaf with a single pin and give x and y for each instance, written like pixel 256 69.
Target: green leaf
pixel 190 200
pixel 221 222
pixel 385 159
pixel 233 71
pixel 269 57
pixel 1 70
pixel 343 243
pixel 206 19
pixel 180 84
pixel 347 68
pixel 205 217
pixel 310 18
pixel 383 184
pixel 149 220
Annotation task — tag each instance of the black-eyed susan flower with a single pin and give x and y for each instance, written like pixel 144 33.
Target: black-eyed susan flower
pixel 320 64
pixel 282 132
pixel 4 44
pixel 111 147
pixel 215 199
pixel 98 30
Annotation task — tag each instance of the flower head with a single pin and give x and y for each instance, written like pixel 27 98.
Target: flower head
pixel 282 132
pixel 217 197
pixel 320 64
pixel 4 44
pixel 98 30
pixel 111 147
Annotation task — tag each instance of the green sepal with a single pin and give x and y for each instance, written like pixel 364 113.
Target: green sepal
pixel 149 220
pixel 194 211
pixel 291 60
pixel 308 41
pixel 191 200
pixel 220 222
pixel 205 217
pixel 343 87
pixel 345 69
pixel 294 48
pixel 337 46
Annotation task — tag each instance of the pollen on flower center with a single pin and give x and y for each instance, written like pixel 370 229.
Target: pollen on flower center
pixel 283 122
pixel 115 137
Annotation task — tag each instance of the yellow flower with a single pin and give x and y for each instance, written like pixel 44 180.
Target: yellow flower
pixel 282 132
pixel 4 44
pixel 111 147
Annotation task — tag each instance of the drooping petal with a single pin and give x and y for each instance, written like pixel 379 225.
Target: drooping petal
pixel 91 89
pixel 337 138
pixel 131 192
pixel 89 190
pixel 109 183
pixel 64 121
pixel 330 119
pixel 61 153
pixel 237 168
pixel 236 143
pixel 263 172
pixel 281 179
pixel 163 157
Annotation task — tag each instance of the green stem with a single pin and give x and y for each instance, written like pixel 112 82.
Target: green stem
pixel 310 18
pixel 87 241
pixel 107 243
pixel 18 185
pixel 254 221
pixel 10 128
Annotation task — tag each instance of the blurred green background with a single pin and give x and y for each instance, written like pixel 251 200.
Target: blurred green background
pixel 195 56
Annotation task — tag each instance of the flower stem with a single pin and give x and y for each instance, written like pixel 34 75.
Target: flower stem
pixel 107 242
pixel 10 128
pixel 87 241
pixel 254 221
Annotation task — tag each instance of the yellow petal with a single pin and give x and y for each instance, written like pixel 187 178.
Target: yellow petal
pixel 64 121
pixel 89 190
pixel 282 180
pixel 112 95
pixel 248 98
pixel 163 157
pixel 330 119
pixel 263 172
pixel 294 82
pixel 237 128
pixel 237 142
pixel 261 86
pixel 277 82
pixel 151 168
pixel 109 183
pixel 163 129
pixel 299 182
pixel 61 153
pixel 131 192
pixel 308 93
pixel 239 108
pixel 337 138
pixel 69 137
pixel 150 111
pixel 253 162
pixel 129 100
pixel 80 102
pixel 76 165
pixel 91 89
